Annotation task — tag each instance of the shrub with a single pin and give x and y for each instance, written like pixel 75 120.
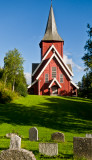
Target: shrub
pixel 6 95
pixel 22 89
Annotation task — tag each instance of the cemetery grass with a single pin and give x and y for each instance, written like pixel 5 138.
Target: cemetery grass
pixel 69 115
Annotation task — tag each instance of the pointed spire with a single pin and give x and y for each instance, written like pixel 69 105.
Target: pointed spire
pixel 51 29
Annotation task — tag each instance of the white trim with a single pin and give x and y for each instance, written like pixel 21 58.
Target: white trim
pixel 54 55
pixel 59 57
pixel 32 84
pixel 54 81
pixel 42 60
pixel 74 84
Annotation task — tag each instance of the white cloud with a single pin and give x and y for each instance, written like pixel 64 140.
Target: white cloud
pixel 28 77
pixel 70 61
pixel 67 60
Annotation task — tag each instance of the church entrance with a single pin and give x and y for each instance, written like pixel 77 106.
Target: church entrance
pixel 54 90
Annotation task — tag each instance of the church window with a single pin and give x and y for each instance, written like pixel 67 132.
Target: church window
pixel 46 78
pixel 53 72
pixel 61 78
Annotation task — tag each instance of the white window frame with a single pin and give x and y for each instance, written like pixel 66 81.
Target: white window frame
pixel 61 78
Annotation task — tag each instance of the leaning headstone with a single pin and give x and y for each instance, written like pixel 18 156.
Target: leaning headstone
pixel 21 154
pixel 49 149
pixel 58 136
pixel 82 147
pixel 88 135
pixel 33 134
pixel 15 142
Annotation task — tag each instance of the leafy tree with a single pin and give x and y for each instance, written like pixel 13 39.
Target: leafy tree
pixel 86 83
pixel 13 67
pixel 87 58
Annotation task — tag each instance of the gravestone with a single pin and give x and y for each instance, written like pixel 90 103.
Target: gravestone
pixel 88 135
pixel 33 134
pixel 58 136
pixel 21 154
pixel 15 142
pixel 82 147
pixel 49 149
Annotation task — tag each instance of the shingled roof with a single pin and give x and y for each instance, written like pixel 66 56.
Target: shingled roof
pixel 51 29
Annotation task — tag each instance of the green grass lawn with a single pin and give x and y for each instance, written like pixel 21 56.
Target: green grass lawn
pixel 71 116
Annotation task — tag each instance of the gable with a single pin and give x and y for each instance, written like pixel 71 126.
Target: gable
pixel 54 80
pixel 58 56
pixel 54 55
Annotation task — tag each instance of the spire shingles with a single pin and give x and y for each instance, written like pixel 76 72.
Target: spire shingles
pixel 51 29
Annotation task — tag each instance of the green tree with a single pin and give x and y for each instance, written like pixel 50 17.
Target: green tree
pixel 87 58
pixel 13 67
pixel 86 83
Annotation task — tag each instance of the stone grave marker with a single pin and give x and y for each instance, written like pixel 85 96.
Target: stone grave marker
pixel 15 142
pixel 58 136
pixel 33 134
pixel 20 154
pixel 88 135
pixel 49 149
pixel 82 147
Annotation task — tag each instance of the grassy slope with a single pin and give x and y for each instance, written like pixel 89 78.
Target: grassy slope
pixel 72 116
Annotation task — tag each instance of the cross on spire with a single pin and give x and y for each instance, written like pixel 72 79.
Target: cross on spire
pixel 51 2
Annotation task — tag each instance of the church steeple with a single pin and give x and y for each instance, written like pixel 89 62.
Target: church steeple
pixel 51 33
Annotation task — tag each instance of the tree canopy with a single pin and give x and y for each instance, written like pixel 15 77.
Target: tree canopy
pixel 86 83
pixel 87 58
pixel 13 69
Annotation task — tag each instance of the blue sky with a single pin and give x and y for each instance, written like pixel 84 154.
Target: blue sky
pixel 23 23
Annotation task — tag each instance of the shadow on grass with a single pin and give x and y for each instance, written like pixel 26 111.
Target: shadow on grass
pixel 56 113
pixel 3 148
pixel 60 156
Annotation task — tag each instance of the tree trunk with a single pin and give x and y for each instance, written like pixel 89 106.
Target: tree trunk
pixel 13 87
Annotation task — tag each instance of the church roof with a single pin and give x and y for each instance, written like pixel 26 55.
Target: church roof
pixel 34 66
pixel 51 29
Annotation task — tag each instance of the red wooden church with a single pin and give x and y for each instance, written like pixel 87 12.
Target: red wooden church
pixel 52 76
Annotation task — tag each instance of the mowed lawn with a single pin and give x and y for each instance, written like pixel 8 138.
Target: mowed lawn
pixel 71 116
